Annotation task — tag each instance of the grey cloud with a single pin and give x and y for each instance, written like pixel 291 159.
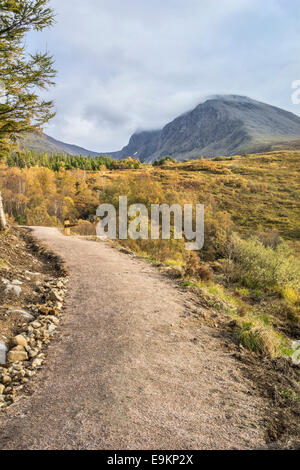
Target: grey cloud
pixel 105 115
pixel 135 64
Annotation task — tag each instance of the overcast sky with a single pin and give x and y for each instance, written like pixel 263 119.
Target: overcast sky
pixel 127 65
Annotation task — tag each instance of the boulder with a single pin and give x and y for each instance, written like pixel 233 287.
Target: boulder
pixel 20 340
pixel 16 355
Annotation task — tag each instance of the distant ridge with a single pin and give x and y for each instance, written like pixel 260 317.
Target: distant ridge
pixel 47 144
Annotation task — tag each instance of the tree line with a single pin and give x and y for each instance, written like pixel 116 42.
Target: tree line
pixel 58 162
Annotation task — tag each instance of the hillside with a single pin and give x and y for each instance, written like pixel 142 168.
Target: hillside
pixel 46 144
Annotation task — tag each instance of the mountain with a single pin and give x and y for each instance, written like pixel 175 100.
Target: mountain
pixel 46 144
pixel 223 125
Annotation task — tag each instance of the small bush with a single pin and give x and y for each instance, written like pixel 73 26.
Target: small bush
pixel 194 268
pixel 290 295
pixel 261 267
pixel 84 228
pixel 259 338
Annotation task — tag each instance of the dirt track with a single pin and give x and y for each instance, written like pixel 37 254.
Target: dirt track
pixel 129 369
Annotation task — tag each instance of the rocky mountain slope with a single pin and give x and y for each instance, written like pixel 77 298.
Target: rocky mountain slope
pixel 222 125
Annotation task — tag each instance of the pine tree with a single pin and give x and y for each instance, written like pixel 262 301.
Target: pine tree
pixel 21 76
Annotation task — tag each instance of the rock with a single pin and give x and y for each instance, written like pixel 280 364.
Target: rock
pixel 33 353
pixel 19 375
pixel 24 314
pixel 2 388
pixel 16 355
pixel 56 296
pixel 6 379
pixel 17 283
pixel 45 310
pixel 32 343
pixel 2 398
pixel 36 325
pixel 12 289
pixel 3 352
pixel 51 329
pixel 53 319
pixel 37 362
pixel 20 340
pixel 30 373
pixel 18 348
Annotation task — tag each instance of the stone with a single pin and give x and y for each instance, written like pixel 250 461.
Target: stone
pixel 32 343
pixel 3 352
pixel 19 375
pixel 33 353
pixel 14 356
pixel 12 289
pixel 53 319
pixel 45 310
pixel 56 296
pixel 37 362
pixel 2 388
pixel 52 329
pixel 36 324
pixel 20 340
pixel 6 379
pixel 30 373
pixel 18 348
pixel 24 314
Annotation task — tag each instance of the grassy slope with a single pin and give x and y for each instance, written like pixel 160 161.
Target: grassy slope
pixel 259 191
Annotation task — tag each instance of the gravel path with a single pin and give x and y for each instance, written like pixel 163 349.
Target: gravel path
pixel 129 369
